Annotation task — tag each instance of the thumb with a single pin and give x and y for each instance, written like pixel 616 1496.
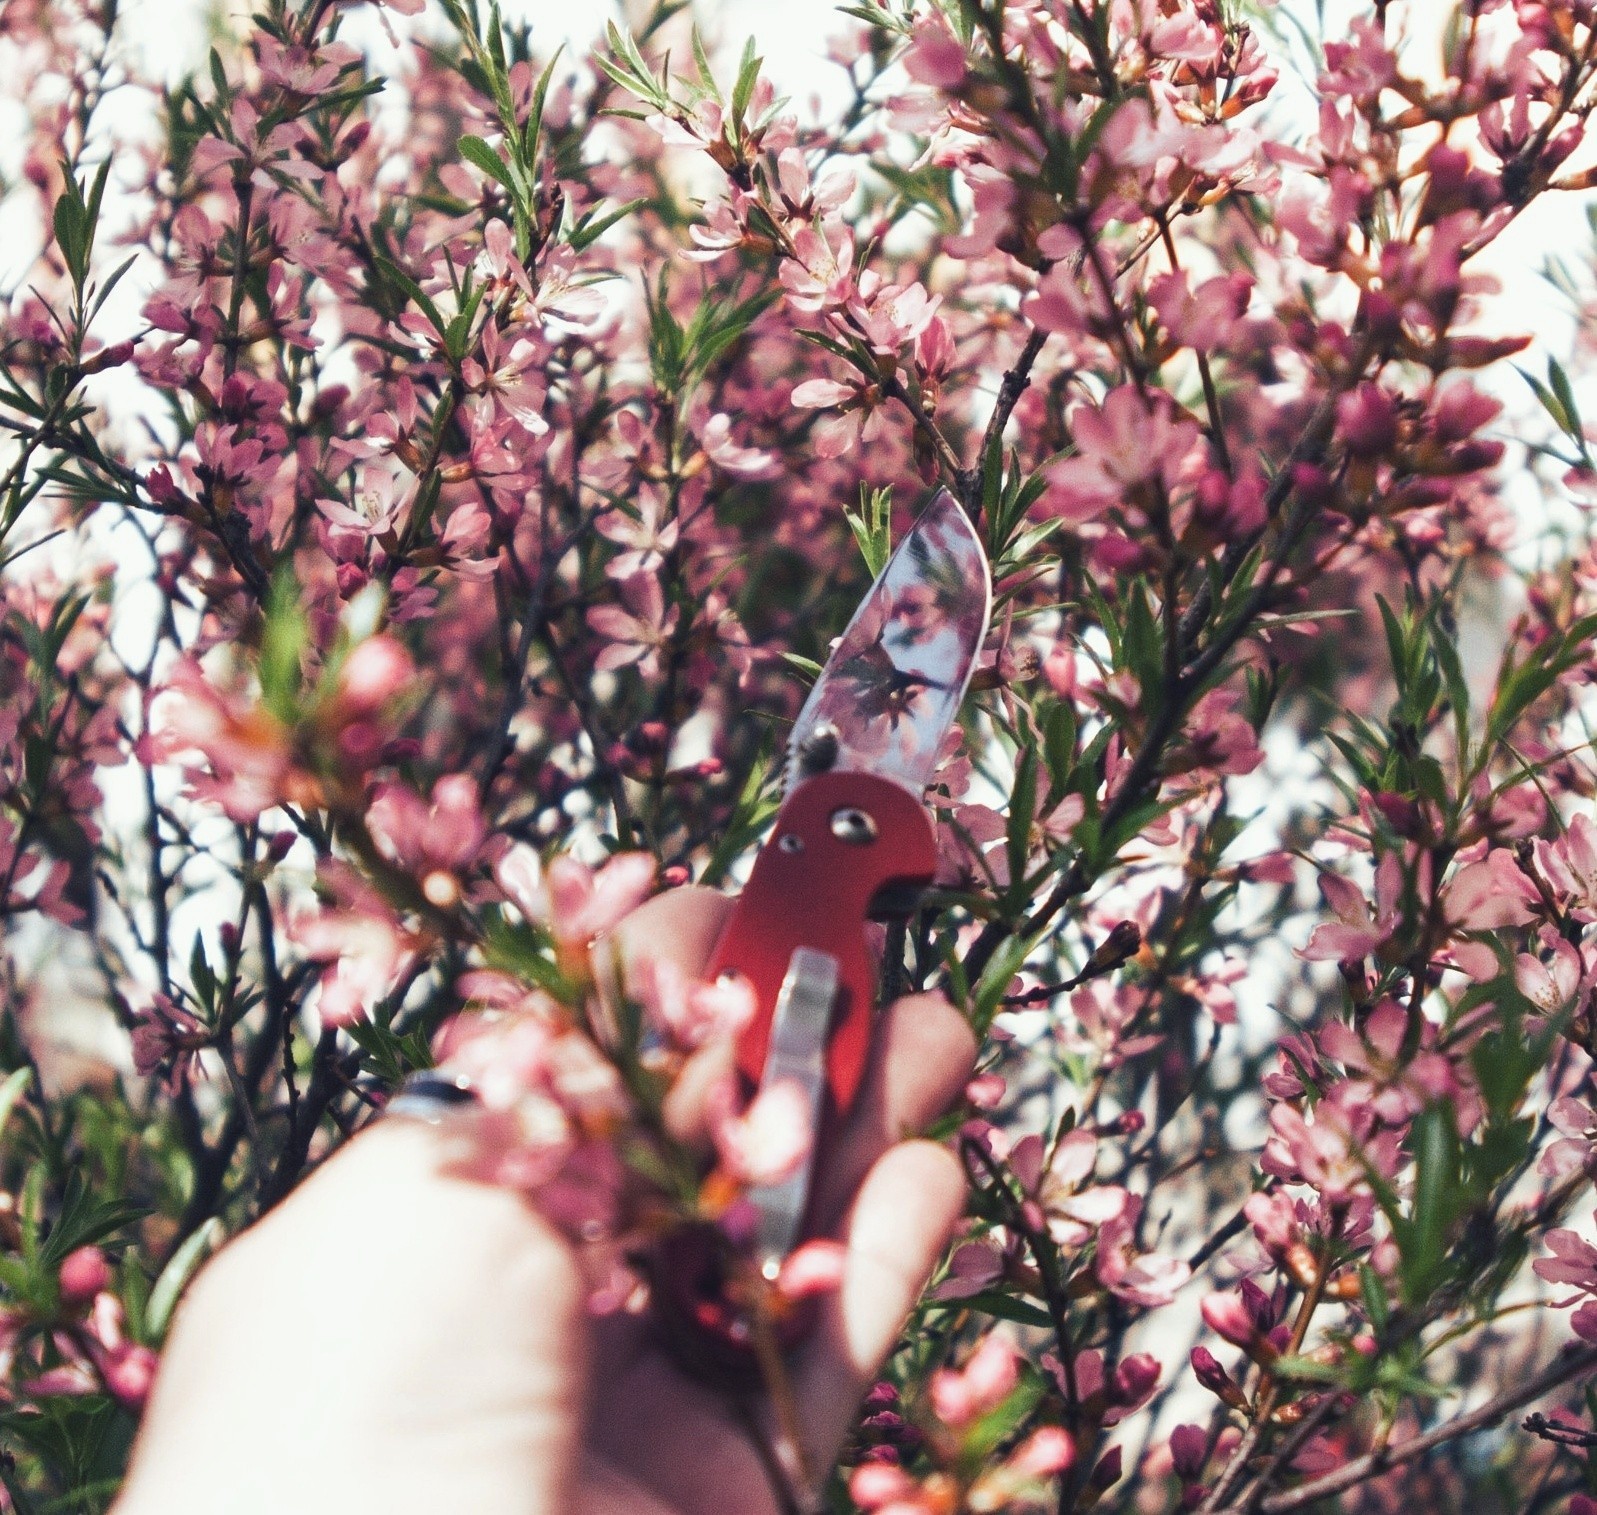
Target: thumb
pixel 415 1340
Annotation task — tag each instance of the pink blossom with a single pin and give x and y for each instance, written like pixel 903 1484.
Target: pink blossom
pixel 690 1013
pixel 1574 1262
pixel 960 1395
pixel 1552 983
pixel 1046 1453
pixel 1490 894
pixel 1357 930
pixel 1576 1150
pixel 820 276
pixel 744 462
pixel 1130 441
pixel 768 1141
pixel 1147 1279
pixel 584 904
pixel 892 315
pixel 435 840
pixel 935 56
pixel 975 1267
pixel 167 1037
pixel 634 634
pixel 1570 866
pixel 360 940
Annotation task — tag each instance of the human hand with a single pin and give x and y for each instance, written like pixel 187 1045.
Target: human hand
pixel 397 1337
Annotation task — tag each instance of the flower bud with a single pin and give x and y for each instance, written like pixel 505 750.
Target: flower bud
pixel 1046 1453
pixel 84 1273
pixel 1135 1379
pixel 373 673
pixel 129 1371
pixel 1207 1370
pixel 1367 418
pixel 1107 1473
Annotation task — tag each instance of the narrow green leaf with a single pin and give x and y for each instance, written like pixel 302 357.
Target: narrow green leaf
pixel 10 1092
pixel 478 153
pixel 748 76
pixel 175 1276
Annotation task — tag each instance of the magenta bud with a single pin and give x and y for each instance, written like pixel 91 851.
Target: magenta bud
pixel 1135 1379
pixel 650 737
pixel 1107 1473
pixel 1207 1370
pixel 280 846
pixel 360 744
pixel 1379 313
pixel 129 1372
pixel 880 1396
pixel 84 1273
pixel 1313 483
pixel 1189 1446
pixel 1367 418
pixel 1399 812
pixel 227 932
pixel 158 482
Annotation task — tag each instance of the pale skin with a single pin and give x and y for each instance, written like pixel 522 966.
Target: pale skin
pixel 398 1338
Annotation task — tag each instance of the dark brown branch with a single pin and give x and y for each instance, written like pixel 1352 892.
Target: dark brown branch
pixel 1569 1365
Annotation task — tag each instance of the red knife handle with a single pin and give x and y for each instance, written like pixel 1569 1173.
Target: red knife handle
pixel 841 841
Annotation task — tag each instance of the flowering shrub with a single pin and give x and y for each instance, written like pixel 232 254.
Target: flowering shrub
pixel 433 471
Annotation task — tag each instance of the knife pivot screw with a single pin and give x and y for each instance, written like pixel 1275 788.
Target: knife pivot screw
pixel 853 826
pixel 790 842
pixel 818 751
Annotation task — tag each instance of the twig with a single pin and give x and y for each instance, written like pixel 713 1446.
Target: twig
pixel 1561 1370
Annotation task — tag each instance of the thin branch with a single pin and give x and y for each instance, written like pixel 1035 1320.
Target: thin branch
pixel 1570 1365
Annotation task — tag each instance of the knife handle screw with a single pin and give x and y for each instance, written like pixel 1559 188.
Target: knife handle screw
pixel 790 842
pixel 818 750
pixel 853 826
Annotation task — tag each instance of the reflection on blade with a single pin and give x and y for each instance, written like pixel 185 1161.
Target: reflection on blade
pixel 893 684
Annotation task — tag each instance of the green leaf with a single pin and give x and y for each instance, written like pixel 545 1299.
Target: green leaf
pixel 417 295
pixel 1437 1202
pixel 201 976
pixel 1559 381
pixel 10 1092
pixel 175 1276
pixel 593 225
pixel 990 988
pixel 1373 1292
pixel 872 526
pixel 1003 1421
pixel 283 645
pixel 756 804
pixel 520 948
pixel 1001 1307
pixel 478 153
pixel 1017 832
pixel 1059 744
pixel 83 1220
pixel 533 129
pixel 748 77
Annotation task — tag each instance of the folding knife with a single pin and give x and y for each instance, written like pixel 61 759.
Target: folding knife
pixel 853 842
